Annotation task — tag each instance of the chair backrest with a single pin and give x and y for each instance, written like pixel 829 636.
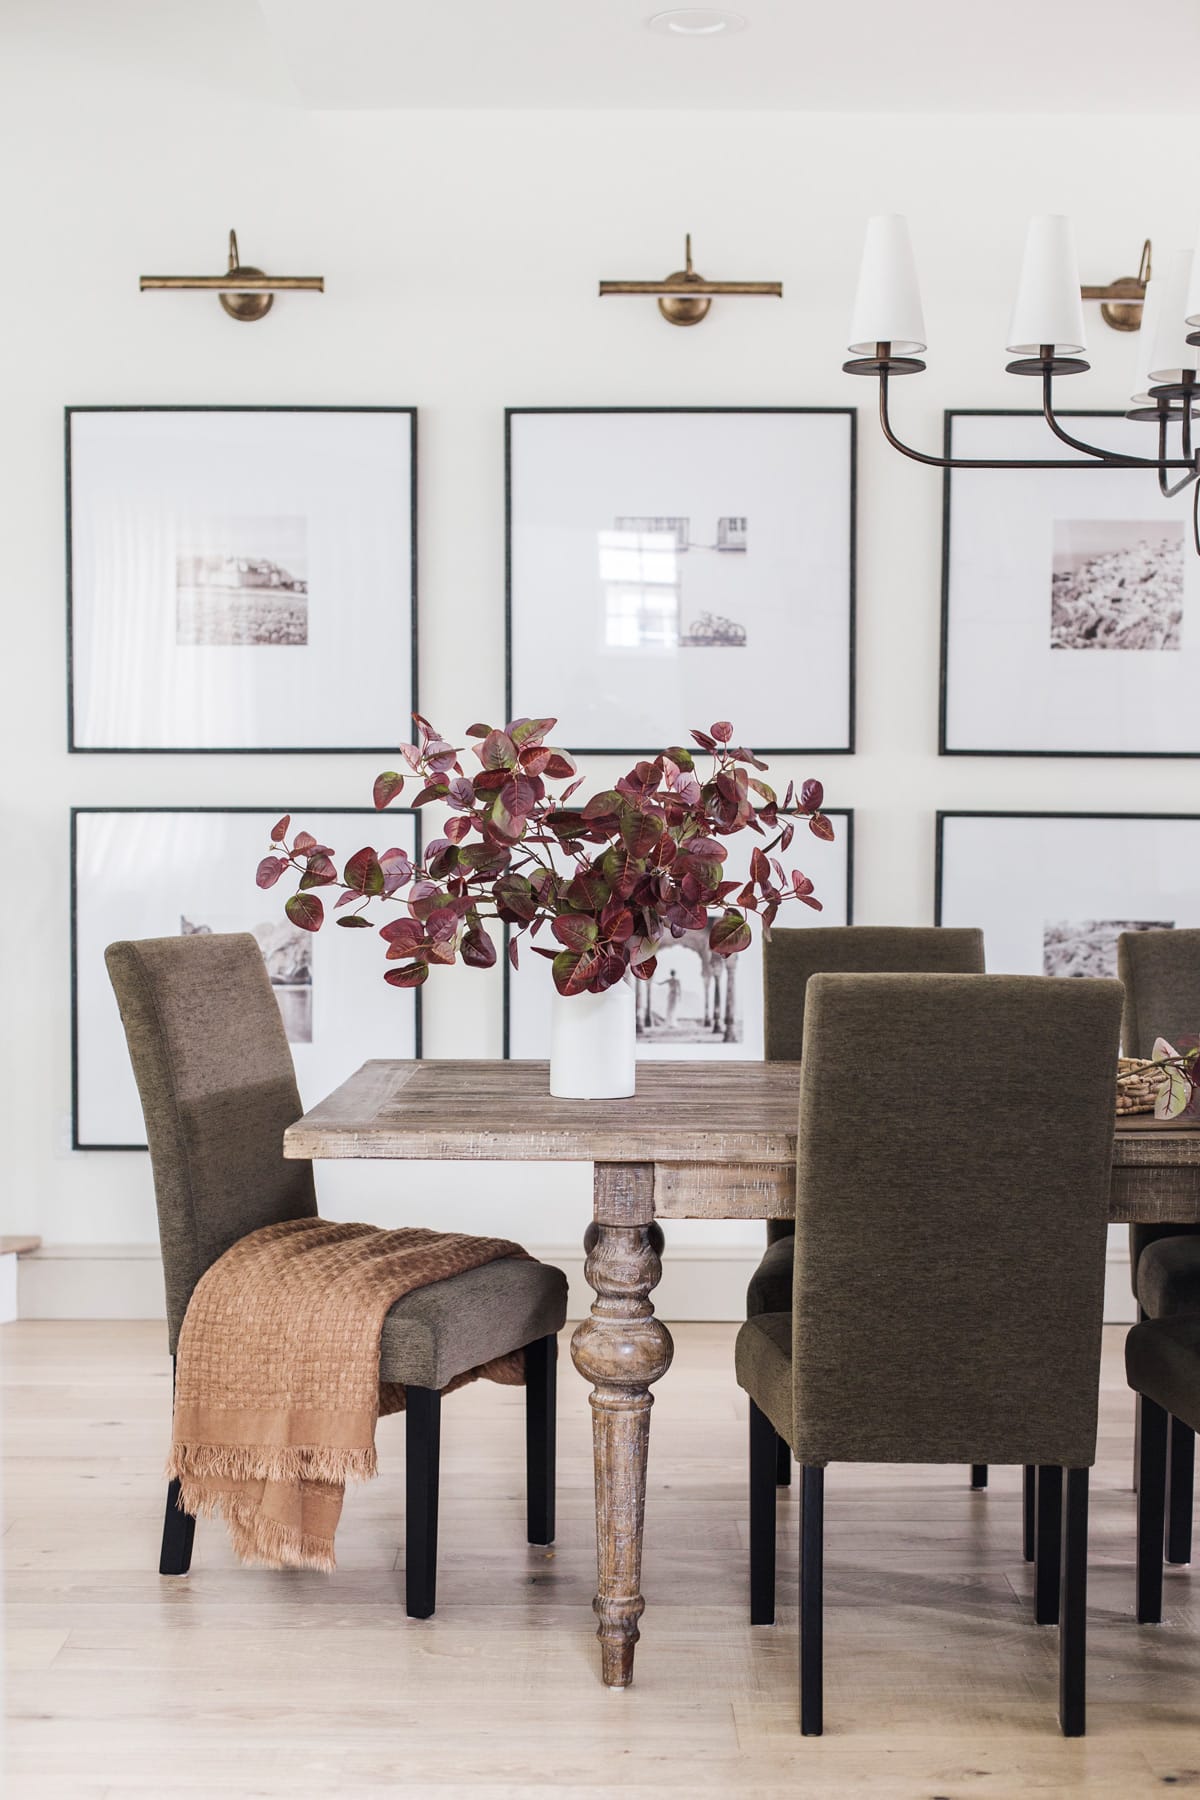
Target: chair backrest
pixel 791 957
pixel 1161 973
pixel 214 1071
pixel 952 1202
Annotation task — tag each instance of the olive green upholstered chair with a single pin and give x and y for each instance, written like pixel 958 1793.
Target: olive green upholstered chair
pixel 789 958
pixel 1162 1366
pixel 949 1278
pixel 1161 973
pixel 218 1089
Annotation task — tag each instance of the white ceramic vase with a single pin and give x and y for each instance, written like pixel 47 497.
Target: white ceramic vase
pixel 593 1044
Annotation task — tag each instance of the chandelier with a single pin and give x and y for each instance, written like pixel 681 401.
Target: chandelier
pixel 1046 337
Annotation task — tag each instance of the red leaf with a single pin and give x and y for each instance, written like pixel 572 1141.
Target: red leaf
pixel 811 796
pixel 403 935
pixel 363 872
pixel 497 751
pixel 576 930
pixel 644 970
pixel 704 741
pixel 270 869
pixel 306 911
pixel 513 953
pixel 319 871
pixel 820 827
pixel 304 841
pixel 280 831
pixel 480 731
pixel 478 950
pixel 530 732
pixel 560 767
pixel 458 828
pixel 603 806
pixel 801 885
pixel 412 975
pixel 722 731
pixel 729 935
pixel 387 786
pixel 760 868
pixel 356 920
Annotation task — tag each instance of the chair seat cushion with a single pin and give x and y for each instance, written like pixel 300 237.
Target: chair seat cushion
pixel 439 1331
pixel 763 1359
pixel 770 1289
pixel 1168 1276
pixel 1162 1361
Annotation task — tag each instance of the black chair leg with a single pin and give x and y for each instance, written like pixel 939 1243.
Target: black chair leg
pixel 1181 1464
pixel 1152 1483
pixel 1072 1641
pixel 783 1464
pixel 979 1474
pixel 764 1462
pixel 1028 1511
pixel 1047 1548
pixel 1137 1421
pixel 812 1556
pixel 541 1366
pixel 422 1446
pixel 179 1529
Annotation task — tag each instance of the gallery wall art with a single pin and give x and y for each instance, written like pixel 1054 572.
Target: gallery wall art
pixel 1052 892
pixel 240 578
pixel 168 872
pixel 682 563
pixel 698 1007
pixel 1070 600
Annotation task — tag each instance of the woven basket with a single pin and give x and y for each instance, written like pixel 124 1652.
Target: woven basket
pixel 1137 1086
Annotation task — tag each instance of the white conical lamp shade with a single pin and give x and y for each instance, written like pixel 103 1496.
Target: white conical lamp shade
pixel 1170 353
pixel 1193 294
pixel 1141 378
pixel 887 305
pixel 1049 308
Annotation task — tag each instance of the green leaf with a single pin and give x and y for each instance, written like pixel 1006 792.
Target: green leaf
pixel 729 935
pixel 387 786
pixel 306 911
pixel 363 873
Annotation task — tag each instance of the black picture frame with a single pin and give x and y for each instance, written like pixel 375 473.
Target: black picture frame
pixel 944 748
pixel 298 813
pixel 843 813
pixel 848 412
pixel 945 815
pixel 77 749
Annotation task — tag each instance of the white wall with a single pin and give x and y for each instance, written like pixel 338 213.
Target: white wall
pixel 461 253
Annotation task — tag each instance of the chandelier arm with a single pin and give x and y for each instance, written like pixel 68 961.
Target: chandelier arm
pixel 1167 489
pixel 1108 459
pixel 964 462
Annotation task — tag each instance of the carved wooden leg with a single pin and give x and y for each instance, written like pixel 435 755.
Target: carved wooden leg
pixel 621 1349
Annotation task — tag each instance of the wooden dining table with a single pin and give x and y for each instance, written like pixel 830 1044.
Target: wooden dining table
pixel 712 1140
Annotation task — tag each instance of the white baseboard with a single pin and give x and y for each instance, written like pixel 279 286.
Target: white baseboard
pixel 124 1281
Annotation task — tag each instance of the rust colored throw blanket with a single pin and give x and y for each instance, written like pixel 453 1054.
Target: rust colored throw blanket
pixel 277 1385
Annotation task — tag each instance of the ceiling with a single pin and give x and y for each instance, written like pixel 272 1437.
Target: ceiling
pixel 954 56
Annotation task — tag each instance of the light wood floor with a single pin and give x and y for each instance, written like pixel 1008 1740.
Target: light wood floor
pixel 240 1683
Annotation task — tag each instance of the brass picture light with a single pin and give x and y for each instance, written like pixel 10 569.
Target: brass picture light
pixel 245 292
pixel 685 297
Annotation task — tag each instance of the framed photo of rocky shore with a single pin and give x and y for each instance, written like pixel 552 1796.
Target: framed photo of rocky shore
pixel 1052 892
pixel 1070 598
pixel 671 565
pixel 240 578
pixel 139 872
pixel 698 1007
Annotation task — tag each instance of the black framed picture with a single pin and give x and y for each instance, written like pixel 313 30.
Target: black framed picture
pixel 140 872
pixel 1070 600
pixel 667 566
pixel 1053 891
pixel 241 578
pixel 698 1007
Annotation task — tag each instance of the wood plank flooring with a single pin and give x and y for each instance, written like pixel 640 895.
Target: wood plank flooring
pixel 250 1685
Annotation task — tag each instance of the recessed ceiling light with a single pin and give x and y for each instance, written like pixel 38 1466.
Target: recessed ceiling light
pixel 696 21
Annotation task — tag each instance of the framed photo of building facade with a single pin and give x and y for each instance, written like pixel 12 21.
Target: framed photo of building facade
pixel 1070 599
pixel 671 565
pixel 140 872
pixel 698 1007
pixel 1052 892
pixel 240 578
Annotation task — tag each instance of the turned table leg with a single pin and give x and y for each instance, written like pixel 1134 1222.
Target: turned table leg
pixel 621 1349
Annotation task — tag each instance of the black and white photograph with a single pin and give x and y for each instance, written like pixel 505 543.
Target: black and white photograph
pixel 699 562
pixel 1089 946
pixel 1069 609
pixel 241 578
pixel 243 581
pixel 1052 892
pixel 1117 584
pixel 161 872
pixel 697 1007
